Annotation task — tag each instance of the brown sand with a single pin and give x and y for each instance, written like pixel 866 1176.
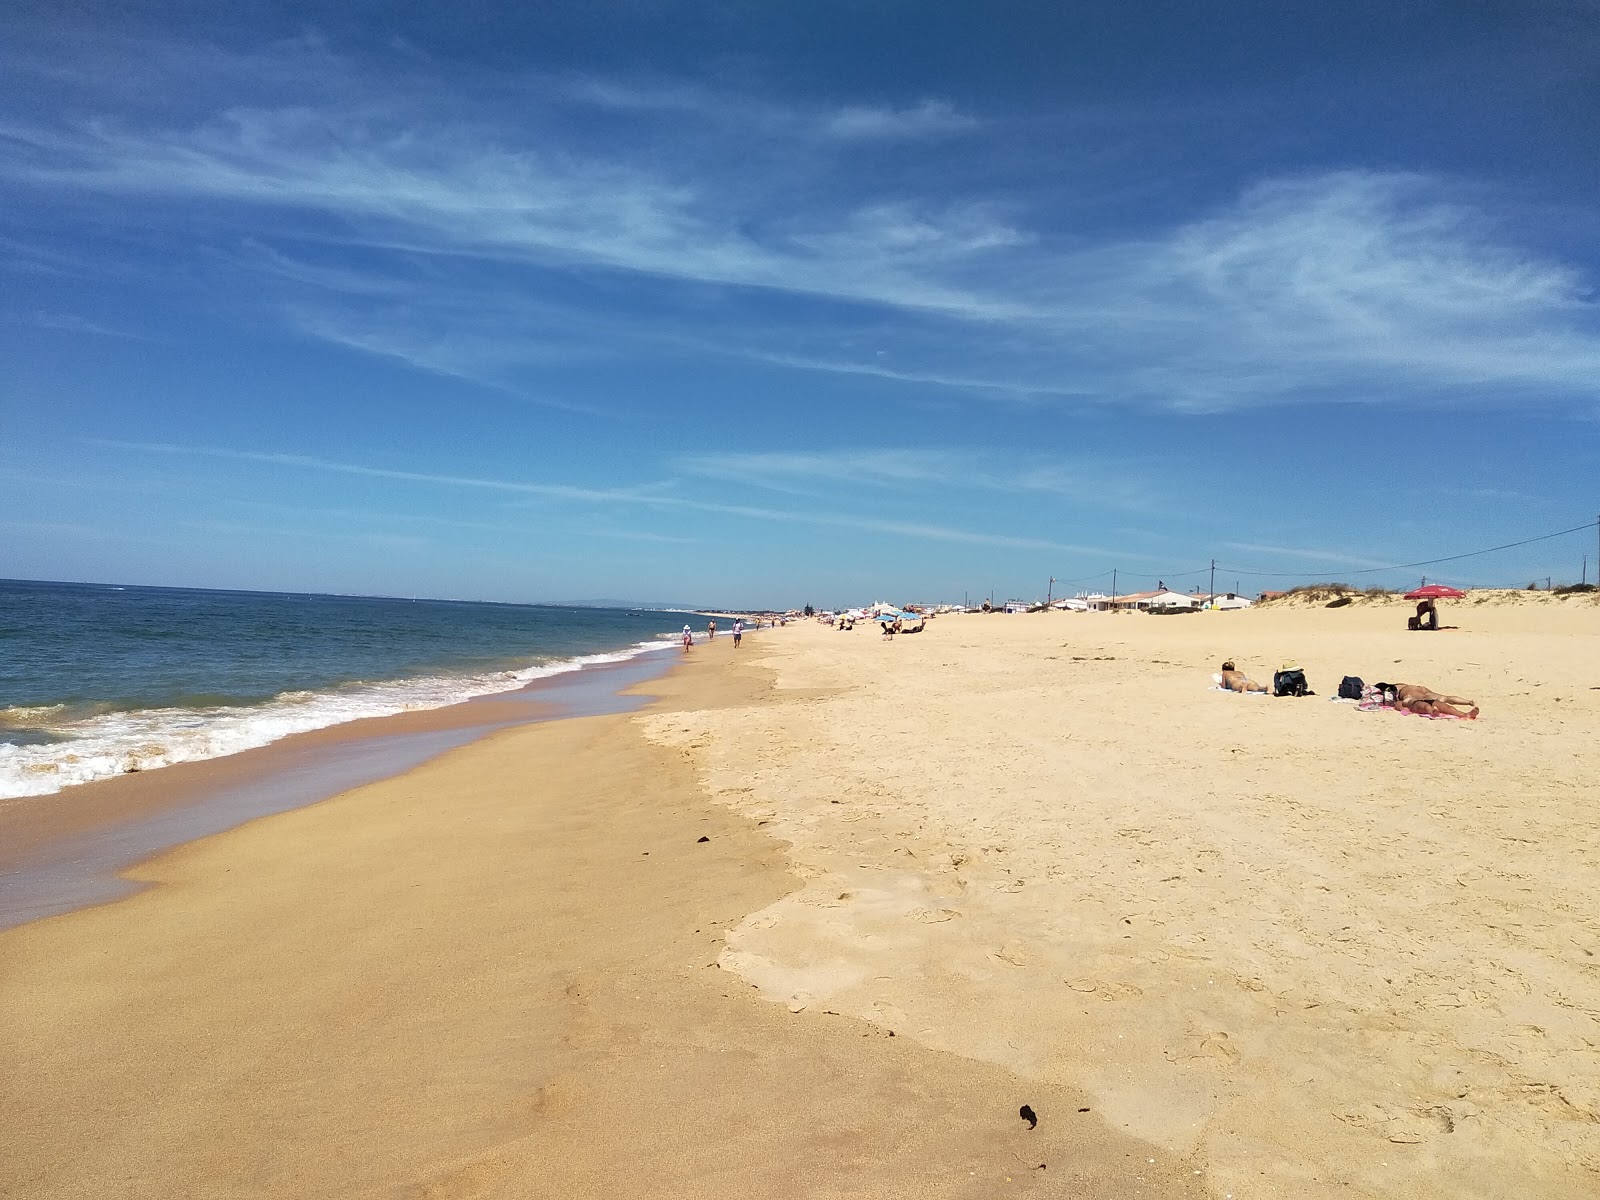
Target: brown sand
pixel 30 823
pixel 497 975
pixel 1318 952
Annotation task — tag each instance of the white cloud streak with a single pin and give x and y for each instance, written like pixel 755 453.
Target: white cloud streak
pixel 1336 557
pixel 931 118
pixel 1100 482
pixel 636 497
pixel 1342 286
pixel 442 187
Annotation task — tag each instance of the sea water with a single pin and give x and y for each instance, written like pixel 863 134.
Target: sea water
pixel 97 680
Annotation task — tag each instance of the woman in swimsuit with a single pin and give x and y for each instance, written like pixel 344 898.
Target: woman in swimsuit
pixel 1233 680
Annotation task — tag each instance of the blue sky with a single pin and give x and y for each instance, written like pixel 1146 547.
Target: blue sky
pixel 766 304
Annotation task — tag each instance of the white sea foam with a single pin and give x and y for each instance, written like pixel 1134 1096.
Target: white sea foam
pixel 115 743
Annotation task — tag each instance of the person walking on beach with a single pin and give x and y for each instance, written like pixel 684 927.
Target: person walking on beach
pixel 711 629
pixel 688 637
pixel 738 632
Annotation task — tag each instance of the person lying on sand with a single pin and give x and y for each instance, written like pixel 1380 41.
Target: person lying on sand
pixel 1413 697
pixel 1415 691
pixel 1233 680
pixel 1436 708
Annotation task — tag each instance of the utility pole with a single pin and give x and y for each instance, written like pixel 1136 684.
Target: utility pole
pixel 1213 583
pixel 1114 584
pixel 1050 592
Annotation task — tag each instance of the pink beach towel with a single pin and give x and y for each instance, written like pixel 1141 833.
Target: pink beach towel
pixel 1406 712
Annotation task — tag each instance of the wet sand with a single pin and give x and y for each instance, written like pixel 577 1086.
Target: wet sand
pixel 62 851
pixel 500 974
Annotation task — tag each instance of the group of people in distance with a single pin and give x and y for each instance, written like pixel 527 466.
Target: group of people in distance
pixel 1408 697
pixel 711 632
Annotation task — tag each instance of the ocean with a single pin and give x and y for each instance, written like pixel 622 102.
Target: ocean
pixel 97 679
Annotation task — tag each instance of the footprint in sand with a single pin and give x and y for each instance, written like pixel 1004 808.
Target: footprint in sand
pixel 1106 991
pixel 1014 953
pixel 1219 1046
pixel 889 1014
pixel 1403 1126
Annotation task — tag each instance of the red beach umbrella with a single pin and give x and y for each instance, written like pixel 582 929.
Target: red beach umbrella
pixel 1435 591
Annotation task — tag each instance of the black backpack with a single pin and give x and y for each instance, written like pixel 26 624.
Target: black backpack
pixel 1290 683
pixel 1350 687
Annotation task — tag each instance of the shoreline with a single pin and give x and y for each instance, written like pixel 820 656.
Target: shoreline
pixel 494 974
pixel 64 850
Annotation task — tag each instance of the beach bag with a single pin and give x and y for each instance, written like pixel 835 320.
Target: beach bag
pixel 1290 683
pixel 1350 687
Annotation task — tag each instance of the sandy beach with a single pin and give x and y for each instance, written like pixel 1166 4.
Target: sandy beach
pixel 1220 945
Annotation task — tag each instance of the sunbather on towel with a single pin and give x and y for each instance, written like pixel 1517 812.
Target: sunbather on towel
pixel 1436 708
pixel 1233 680
pixel 1415 691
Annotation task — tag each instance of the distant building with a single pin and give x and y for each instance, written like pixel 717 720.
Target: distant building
pixel 1162 598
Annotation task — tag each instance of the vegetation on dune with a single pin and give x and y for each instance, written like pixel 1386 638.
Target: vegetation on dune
pixel 1330 595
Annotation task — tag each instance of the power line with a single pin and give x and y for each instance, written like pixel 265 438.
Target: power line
pixel 1136 575
pixel 1544 537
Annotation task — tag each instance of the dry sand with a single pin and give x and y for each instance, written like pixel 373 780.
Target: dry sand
pixel 497 976
pixel 1317 952
pixel 1275 948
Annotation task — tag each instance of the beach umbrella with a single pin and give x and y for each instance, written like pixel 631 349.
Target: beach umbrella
pixel 1435 591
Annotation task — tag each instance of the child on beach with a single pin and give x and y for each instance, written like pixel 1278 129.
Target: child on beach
pixel 688 637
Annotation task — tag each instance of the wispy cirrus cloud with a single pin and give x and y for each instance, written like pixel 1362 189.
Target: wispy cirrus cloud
pixel 791 471
pixel 931 118
pixel 645 496
pixel 73 323
pixel 1098 481
pixel 447 189
pixel 1321 287
pixel 1337 558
